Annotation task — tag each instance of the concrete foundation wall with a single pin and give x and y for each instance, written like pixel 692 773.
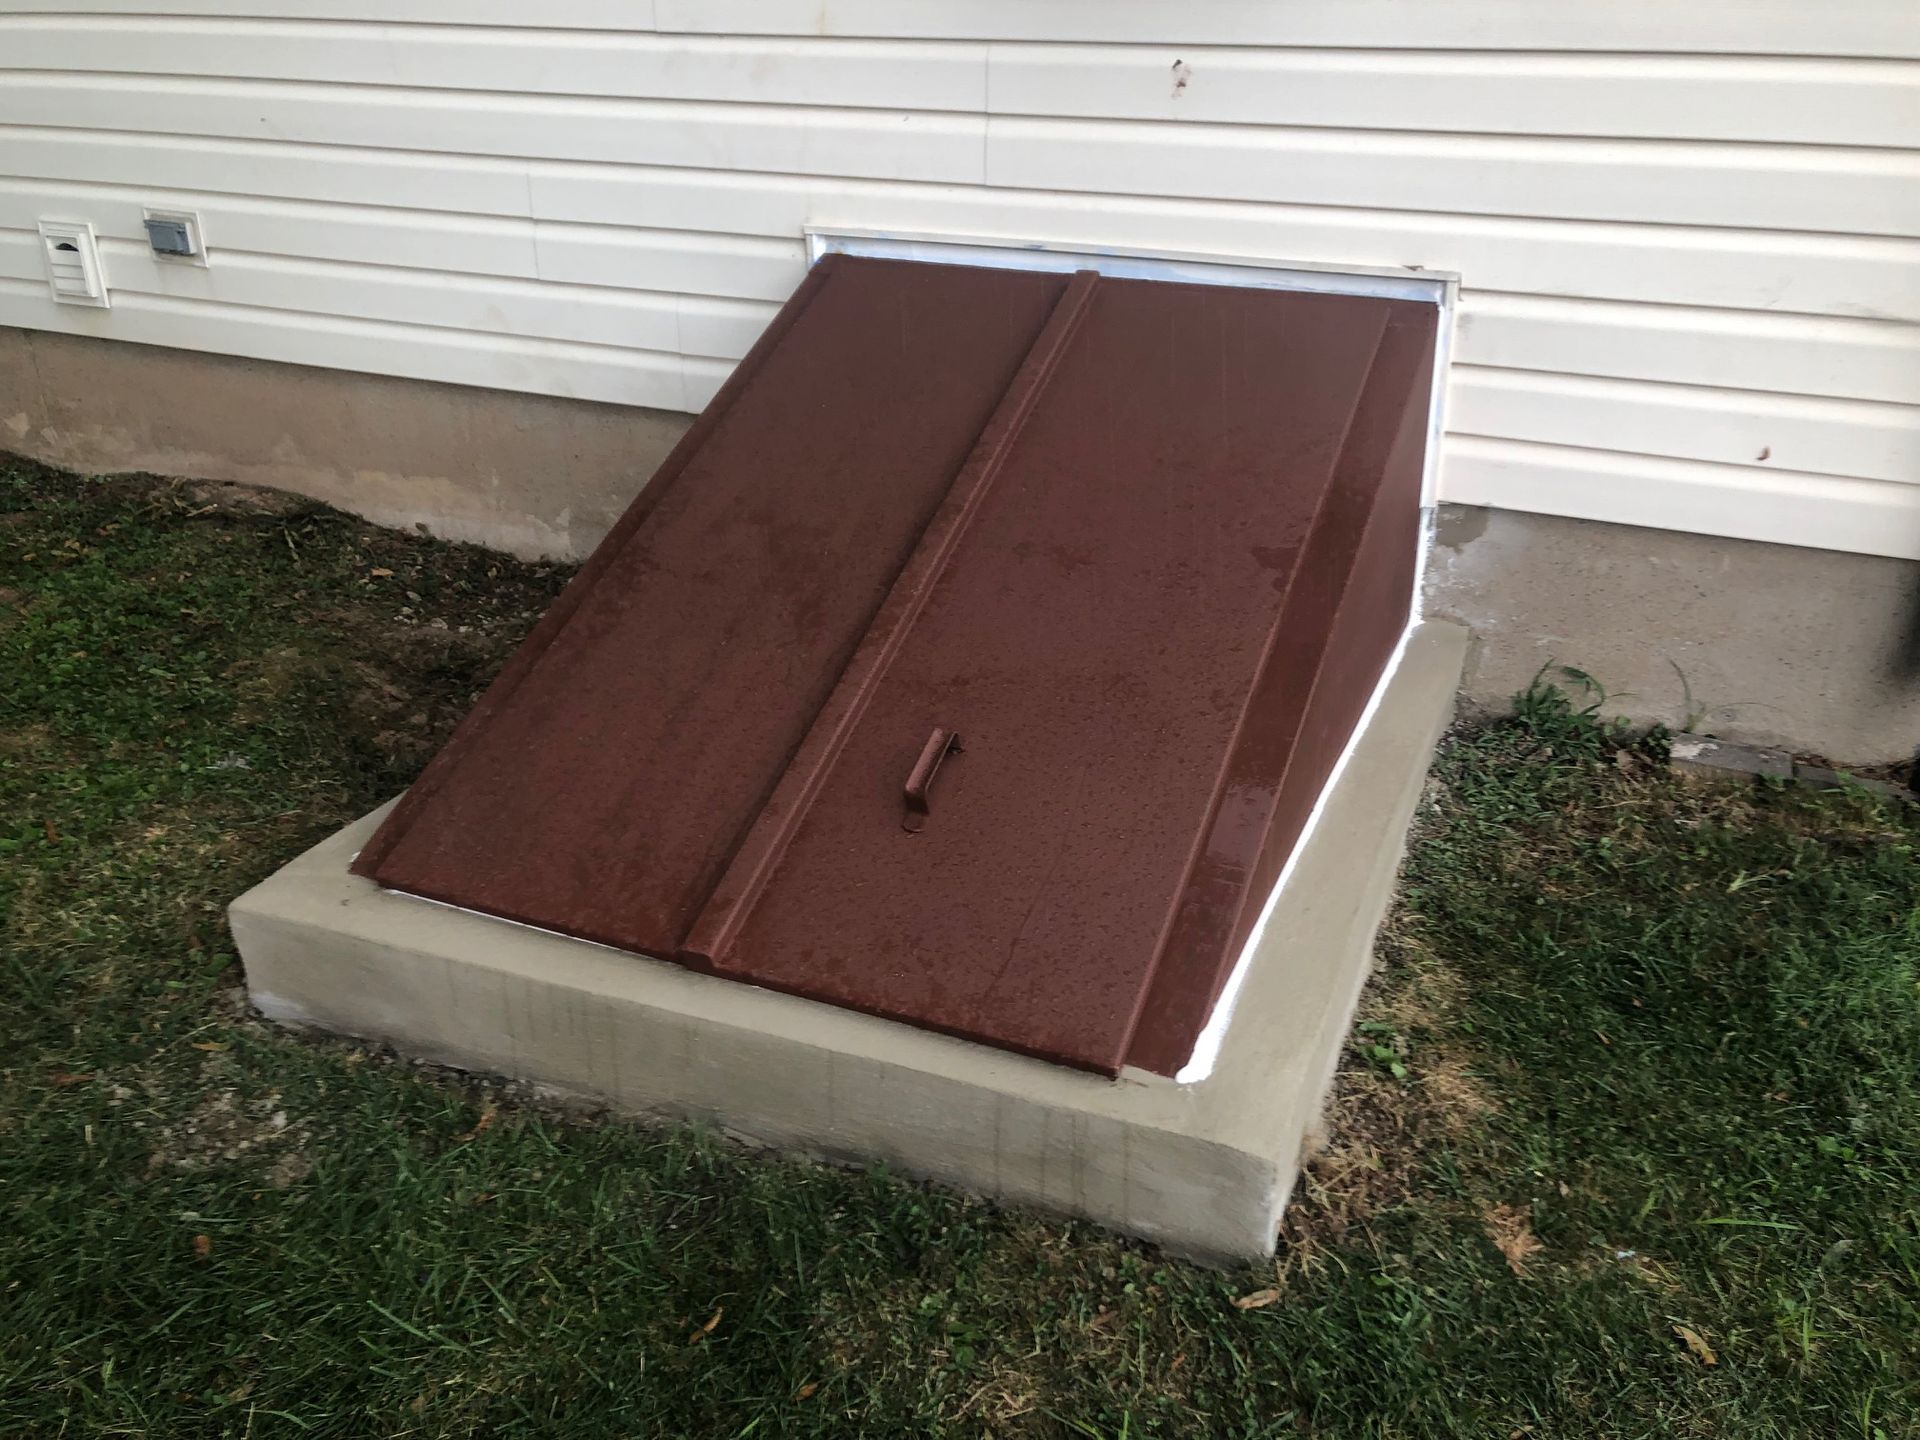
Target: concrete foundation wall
pixel 530 474
pixel 1812 649
pixel 1771 644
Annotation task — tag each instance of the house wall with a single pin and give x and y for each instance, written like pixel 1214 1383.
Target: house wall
pixel 538 476
pixel 1686 234
pixel 1811 650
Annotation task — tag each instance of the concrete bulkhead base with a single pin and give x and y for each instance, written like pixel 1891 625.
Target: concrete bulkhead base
pixel 1201 1168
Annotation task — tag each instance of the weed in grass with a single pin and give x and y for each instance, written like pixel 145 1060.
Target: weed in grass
pixel 1648 1072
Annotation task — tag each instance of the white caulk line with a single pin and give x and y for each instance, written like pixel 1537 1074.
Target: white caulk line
pixel 1206 1049
pixel 1429 526
pixel 519 924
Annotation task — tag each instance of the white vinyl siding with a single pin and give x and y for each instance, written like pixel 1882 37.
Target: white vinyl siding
pixel 1688 236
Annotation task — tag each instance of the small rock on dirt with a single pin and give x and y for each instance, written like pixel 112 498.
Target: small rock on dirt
pixel 1716 762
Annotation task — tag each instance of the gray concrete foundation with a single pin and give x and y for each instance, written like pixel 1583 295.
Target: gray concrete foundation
pixel 536 476
pixel 1202 1168
pixel 1771 645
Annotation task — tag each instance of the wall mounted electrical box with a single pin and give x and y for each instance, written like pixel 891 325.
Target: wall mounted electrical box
pixel 175 235
pixel 72 258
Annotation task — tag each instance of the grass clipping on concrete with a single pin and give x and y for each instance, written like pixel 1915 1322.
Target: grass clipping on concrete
pixel 1626 1144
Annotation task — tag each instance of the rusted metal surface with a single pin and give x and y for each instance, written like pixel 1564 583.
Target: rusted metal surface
pixel 978 666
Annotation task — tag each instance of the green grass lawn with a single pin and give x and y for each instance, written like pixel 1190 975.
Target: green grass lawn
pixel 1628 1143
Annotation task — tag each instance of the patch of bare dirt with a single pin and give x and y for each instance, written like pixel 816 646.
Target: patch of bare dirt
pixel 233 498
pixel 408 721
pixel 1378 1127
pixel 25 740
pixel 1418 992
pixel 265 681
pixel 1006 1395
pixel 289 1169
pixel 1457 1099
pixel 1375 1128
pixel 1510 1228
pixel 227 1127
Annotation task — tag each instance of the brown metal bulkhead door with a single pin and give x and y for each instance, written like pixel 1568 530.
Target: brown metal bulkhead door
pixel 603 782
pixel 1001 840
pixel 1084 633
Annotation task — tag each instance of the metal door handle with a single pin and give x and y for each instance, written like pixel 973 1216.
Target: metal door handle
pixel 940 744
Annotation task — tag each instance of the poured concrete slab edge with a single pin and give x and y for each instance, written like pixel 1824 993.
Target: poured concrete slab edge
pixel 1203 1169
